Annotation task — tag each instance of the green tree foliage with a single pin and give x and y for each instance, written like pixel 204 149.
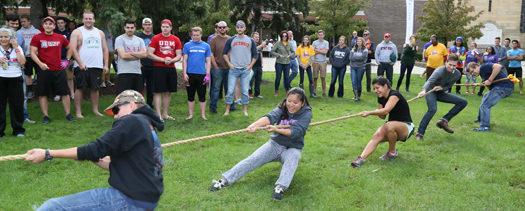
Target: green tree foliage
pixel 335 17
pixel 208 24
pixel 449 19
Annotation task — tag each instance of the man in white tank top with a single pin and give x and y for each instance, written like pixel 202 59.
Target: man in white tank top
pixel 91 54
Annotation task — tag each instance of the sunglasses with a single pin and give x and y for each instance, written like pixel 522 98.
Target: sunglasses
pixel 387 37
pixel 116 109
pixel 366 34
pixel 222 27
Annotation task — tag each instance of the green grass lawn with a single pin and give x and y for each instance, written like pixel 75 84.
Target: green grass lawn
pixel 466 170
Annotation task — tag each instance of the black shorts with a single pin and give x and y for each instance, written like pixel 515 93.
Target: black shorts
pixel 29 65
pixel 516 71
pixel 196 84
pixel 129 81
pixel 88 79
pixel 165 79
pixel 51 81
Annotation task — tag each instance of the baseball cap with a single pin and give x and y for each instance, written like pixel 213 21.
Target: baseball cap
pixel 48 18
pixel 147 20
pixel 222 23
pixel 387 35
pixel 125 97
pixel 166 21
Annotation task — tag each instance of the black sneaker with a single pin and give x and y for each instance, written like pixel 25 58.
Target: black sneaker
pixel 46 120
pixel 217 185
pixel 70 118
pixel 234 109
pixel 213 110
pixel 30 95
pixel 278 193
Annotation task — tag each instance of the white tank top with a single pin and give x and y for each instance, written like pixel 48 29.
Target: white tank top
pixel 91 51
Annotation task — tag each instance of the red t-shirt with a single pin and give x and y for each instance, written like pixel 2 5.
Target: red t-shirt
pixel 165 47
pixel 50 49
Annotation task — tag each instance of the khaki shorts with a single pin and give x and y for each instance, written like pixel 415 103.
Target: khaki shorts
pixel 319 67
pixel 69 73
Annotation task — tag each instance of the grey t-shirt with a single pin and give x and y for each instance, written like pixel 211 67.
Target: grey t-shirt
pixel 134 44
pixel 318 45
pixel 242 51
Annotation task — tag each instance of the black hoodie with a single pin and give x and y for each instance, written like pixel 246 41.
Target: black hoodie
pixel 136 155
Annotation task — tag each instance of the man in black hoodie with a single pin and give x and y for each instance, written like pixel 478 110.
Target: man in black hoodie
pixel 130 151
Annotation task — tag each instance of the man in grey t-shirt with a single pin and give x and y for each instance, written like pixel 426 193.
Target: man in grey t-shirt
pixel 321 47
pixel 130 49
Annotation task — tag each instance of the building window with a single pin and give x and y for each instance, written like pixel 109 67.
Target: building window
pixel 490 5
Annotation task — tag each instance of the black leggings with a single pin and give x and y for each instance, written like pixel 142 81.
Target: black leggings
pixel 196 83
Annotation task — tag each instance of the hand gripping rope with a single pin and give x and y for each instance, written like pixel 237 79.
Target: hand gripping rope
pixel 24 156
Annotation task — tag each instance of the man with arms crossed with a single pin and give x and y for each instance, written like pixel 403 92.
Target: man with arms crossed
pixel 319 63
pixel 130 49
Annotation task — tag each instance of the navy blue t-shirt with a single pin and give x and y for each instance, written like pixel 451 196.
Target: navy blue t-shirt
pixel 485 70
pixel 197 53
pixel 67 34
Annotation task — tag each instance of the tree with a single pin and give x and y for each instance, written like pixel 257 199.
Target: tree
pixel 448 20
pixel 334 17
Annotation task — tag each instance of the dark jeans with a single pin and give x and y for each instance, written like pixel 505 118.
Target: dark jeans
pixel 309 72
pixel 279 70
pixel 385 66
pixel 219 77
pixel 148 76
pixel 368 77
pixel 257 78
pixel 335 73
pixel 12 91
pixel 408 69
pixel 441 96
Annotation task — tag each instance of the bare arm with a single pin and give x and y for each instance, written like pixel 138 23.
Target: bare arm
pixel 152 56
pixel 35 58
pixel 208 65
pixel 39 155
pixel 132 55
pixel 178 57
pixel 73 45
pixel 382 112
pixel 104 163
pixel 185 66
pixel 104 51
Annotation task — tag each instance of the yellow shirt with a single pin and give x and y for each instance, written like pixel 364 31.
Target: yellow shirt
pixel 305 53
pixel 436 55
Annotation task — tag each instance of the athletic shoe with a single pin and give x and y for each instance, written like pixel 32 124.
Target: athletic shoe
pixel 250 96
pixel 476 120
pixel 388 156
pixel 30 95
pixel 213 110
pixel 260 96
pixel 444 125
pixel 46 120
pixel 30 121
pixel 103 85
pixel 20 135
pixel 482 129
pixel 34 81
pixel 419 137
pixel 358 161
pixel 458 92
pixel 217 185
pixel 234 109
pixel 57 98
pixel 70 118
pixel 238 102
pixel 109 83
pixel 278 193
pixel 324 94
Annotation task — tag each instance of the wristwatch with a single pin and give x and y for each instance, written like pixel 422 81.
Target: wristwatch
pixel 48 156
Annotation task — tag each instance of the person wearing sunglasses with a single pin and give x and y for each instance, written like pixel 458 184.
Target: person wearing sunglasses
pixel 130 151
pixel 370 46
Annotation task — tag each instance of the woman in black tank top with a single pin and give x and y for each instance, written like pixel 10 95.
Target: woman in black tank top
pixel 398 127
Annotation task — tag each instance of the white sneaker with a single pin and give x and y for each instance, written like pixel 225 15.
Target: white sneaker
pixel 238 102
pixel 260 96
pixel 109 83
pixel 57 98
pixel 103 85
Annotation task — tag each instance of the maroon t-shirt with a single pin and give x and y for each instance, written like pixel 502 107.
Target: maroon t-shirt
pixel 50 49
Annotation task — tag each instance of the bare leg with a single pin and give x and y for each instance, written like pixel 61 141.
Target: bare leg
pixel 521 86
pixel 166 103
pixel 78 102
pixel 66 102
pixel 190 108
pixel 203 110
pixel 29 81
pixel 378 137
pixel 227 112
pixel 391 132
pixel 94 102
pixel 245 107
pixel 238 90
pixel 71 87
pixel 315 85
pixel 323 83
pixel 157 99
pixel 43 104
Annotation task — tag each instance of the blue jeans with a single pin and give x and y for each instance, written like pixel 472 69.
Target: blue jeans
pixel 441 96
pixel 385 67
pixel 26 114
pixel 219 77
pixel 279 70
pixel 257 77
pixel 357 77
pixel 96 199
pixel 295 69
pixel 245 76
pixel 335 73
pixel 490 99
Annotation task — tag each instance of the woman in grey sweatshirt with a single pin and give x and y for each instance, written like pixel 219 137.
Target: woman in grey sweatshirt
pixel 339 59
pixel 358 57
pixel 284 146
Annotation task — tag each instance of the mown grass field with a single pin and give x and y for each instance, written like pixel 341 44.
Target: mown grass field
pixel 466 170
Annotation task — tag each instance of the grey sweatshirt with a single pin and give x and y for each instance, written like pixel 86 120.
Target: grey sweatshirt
pixel 441 77
pixel 339 57
pixel 358 58
pixel 298 125
pixel 383 51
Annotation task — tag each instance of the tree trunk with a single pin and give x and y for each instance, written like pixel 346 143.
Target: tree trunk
pixel 36 10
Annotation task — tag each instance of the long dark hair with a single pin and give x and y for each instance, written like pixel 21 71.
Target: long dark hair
pixel 381 81
pixel 281 36
pixel 492 51
pixel 296 91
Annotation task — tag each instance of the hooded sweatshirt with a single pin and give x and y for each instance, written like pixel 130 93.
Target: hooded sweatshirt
pixel 358 58
pixel 298 125
pixel 339 56
pixel 28 35
pixel 136 155
pixel 383 51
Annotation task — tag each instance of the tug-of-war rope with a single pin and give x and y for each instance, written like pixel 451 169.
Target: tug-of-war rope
pixel 510 77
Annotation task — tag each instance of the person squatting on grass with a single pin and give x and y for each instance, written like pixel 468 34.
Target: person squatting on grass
pixel 339 57
pixel 399 125
pixel 285 145
pixel 441 80
pixel 130 151
pixel 196 66
pixel 499 90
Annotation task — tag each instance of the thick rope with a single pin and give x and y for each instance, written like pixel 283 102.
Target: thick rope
pixel 24 156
